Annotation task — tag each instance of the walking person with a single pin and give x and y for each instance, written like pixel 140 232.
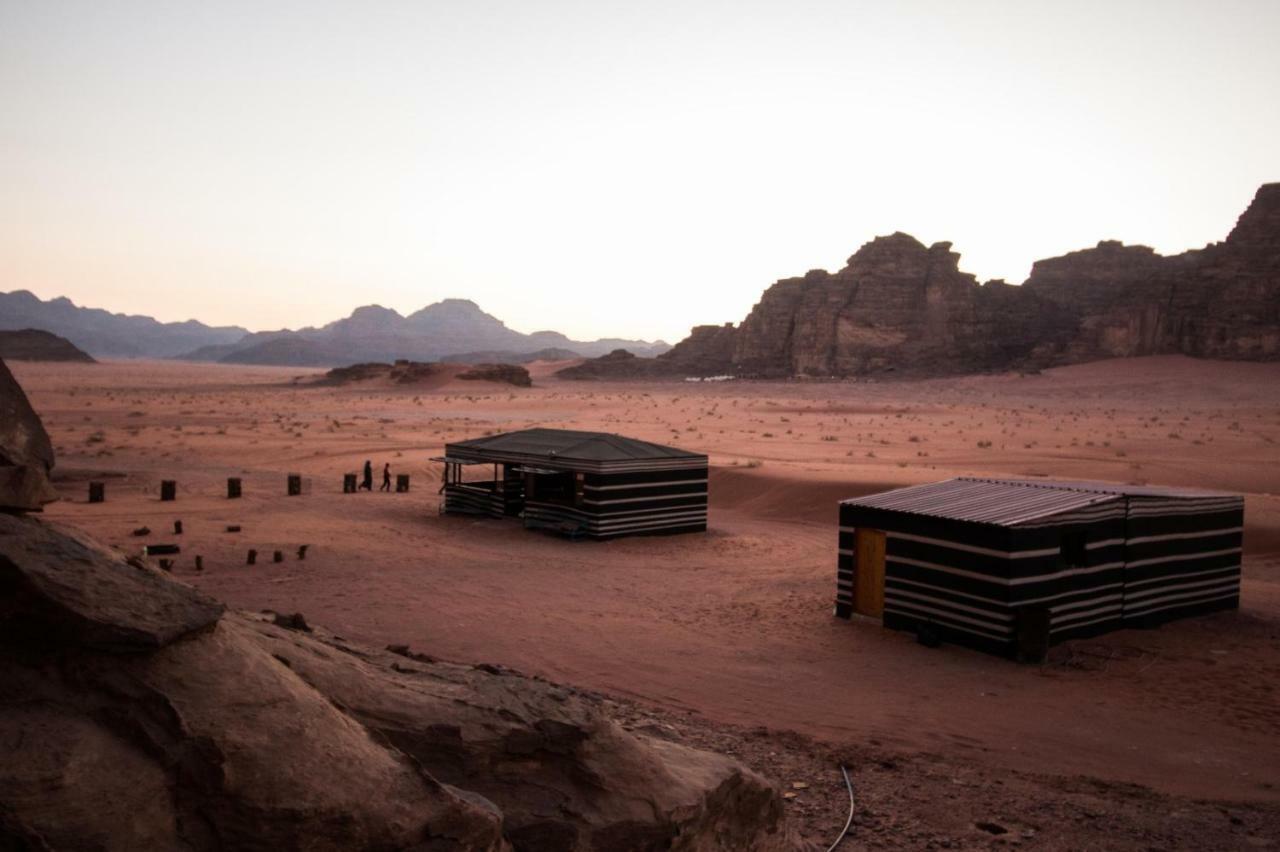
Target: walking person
pixel 367 483
pixel 386 477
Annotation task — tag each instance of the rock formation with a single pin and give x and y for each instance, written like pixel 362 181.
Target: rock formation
pixel 26 453
pixel 898 305
pixel 135 713
pixel 510 374
pixel 707 351
pixel 417 373
pixel 30 344
pixel 1222 301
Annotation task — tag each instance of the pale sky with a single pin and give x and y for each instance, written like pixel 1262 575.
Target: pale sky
pixel 601 168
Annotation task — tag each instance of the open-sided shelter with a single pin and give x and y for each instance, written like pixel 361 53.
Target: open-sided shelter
pixel 982 561
pixel 584 483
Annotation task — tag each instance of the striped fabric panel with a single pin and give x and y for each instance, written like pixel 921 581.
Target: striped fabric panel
pixel 1182 555
pixel 674 518
pixel 472 501
pixel 958 623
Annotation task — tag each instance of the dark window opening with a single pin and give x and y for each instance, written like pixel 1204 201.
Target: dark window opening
pixel 1074 549
pixel 555 488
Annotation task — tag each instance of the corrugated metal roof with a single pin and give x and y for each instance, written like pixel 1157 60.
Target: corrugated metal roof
pixel 1008 502
pixel 1095 487
pixel 1004 503
pixel 571 444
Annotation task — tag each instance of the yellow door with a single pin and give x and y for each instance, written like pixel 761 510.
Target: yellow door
pixel 868 572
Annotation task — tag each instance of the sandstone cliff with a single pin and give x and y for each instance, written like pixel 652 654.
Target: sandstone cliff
pixel 1222 301
pixel 898 305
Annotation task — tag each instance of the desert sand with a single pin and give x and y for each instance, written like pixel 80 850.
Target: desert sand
pixel 733 626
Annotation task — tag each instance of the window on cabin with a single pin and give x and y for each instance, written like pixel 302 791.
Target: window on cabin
pixel 1074 548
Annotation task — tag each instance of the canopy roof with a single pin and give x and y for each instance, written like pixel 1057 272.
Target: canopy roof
pixel 568 446
pixel 1009 502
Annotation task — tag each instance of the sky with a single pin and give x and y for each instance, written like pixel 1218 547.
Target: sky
pixel 600 168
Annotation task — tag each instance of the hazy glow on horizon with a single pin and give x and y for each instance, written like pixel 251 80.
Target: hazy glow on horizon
pixel 597 168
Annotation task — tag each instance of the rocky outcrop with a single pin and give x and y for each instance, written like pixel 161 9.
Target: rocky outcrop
pixel 618 364
pixel 30 344
pixel 401 372
pixel 418 373
pixel 707 351
pixel 135 713
pixel 895 305
pixel 1222 301
pixel 900 306
pixel 508 374
pixel 26 453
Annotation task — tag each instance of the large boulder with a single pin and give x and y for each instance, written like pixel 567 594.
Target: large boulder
pixel 26 453
pixel 566 777
pixel 135 713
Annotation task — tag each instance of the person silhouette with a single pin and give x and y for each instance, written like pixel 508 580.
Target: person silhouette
pixel 367 484
pixel 386 477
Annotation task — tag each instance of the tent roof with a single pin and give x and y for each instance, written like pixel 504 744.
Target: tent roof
pixel 1009 502
pixel 571 445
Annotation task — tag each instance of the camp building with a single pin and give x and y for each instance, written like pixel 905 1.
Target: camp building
pixel 983 562
pixel 593 484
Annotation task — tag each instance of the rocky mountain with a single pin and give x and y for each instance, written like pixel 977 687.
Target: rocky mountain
pixel 30 344
pixel 899 305
pixel 371 333
pixel 375 333
pixel 107 335
pixel 504 356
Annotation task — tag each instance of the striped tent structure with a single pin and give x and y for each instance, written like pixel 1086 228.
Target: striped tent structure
pixel 982 562
pixel 592 484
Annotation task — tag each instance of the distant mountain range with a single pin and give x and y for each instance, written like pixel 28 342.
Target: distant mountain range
pixel 371 333
pixel 107 335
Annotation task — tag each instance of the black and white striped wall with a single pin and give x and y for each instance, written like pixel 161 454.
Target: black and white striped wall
pixel 1139 561
pixel 630 502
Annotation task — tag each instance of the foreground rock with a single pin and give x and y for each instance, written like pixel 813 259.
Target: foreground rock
pixel 30 344
pixel 899 305
pixel 135 714
pixel 26 454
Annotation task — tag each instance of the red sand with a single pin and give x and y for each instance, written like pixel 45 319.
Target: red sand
pixel 735 624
